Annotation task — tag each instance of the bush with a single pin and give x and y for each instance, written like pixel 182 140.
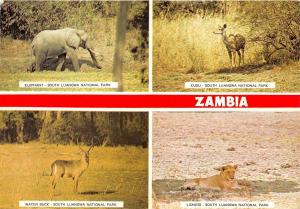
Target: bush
pixel 276 26
pixel 22 20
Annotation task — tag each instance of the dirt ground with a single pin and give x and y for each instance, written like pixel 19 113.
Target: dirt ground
pixel 16 57
pixel 264 145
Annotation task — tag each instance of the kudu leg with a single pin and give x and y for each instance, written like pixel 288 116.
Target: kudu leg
pixel 230 57
pixel 239 53
pixel 243 61
pixel 233 59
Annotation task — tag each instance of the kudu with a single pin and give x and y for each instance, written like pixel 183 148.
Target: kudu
pixel 70 168
pixel 235 43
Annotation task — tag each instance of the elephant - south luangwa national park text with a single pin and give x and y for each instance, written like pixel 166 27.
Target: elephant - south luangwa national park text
pixel 58 44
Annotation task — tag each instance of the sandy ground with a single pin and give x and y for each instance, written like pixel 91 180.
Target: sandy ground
pixel 264 145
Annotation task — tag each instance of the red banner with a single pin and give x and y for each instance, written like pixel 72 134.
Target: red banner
pixel 149 101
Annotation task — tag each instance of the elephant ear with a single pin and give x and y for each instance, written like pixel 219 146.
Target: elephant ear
pixel 73 40
pixel 83 35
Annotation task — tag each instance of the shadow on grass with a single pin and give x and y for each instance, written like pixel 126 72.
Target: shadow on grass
pixel 97 192
pixel 51 64
pixel 171 190
pixel 245 69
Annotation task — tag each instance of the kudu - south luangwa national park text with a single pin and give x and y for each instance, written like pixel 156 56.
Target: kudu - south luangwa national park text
pixel 226 41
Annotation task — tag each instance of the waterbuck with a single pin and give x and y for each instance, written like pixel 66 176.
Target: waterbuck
pixel 70 168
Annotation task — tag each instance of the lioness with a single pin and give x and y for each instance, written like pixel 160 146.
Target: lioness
pixel 225 181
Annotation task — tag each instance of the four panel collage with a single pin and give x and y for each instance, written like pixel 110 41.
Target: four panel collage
pixel 140 158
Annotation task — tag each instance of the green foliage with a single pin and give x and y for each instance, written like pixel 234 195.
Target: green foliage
pixel 115 128
pixel 275 25
pixel 18 126
pixel 22 20
pixel 173 9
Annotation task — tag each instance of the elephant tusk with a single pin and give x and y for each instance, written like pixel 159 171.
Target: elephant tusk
pixel 92 50
pixel 95 52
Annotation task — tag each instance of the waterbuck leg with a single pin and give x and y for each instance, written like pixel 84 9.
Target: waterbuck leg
pixel 75 185
pixel 54 182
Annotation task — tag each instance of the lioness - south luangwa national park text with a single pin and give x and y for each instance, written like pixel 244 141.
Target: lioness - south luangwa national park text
pixel 188 148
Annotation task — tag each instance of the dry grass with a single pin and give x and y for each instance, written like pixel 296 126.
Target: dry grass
pixel 114 174
pixel 16 57
pixel 186 49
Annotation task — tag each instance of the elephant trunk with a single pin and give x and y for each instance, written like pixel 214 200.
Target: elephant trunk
pixel 93 56
pixel 92 53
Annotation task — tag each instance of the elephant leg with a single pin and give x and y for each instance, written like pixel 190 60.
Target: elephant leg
pixel 39 60
pixel 61 61
pixel 93 56
pixel 31 67
pixel 73 56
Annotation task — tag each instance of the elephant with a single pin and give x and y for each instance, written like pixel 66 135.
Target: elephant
pixel 59 43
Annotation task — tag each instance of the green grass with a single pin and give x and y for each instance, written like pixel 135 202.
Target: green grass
pixel 16 57
pixel 114 174
pixel 10 81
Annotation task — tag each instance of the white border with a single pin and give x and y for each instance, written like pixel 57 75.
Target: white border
pixel 150 38
pixel 150 155
pixel 195 109
pixel 149 110
pixel 140 93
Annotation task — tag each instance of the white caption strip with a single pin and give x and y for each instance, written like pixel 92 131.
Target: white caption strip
pixel 229 85
pixel 53 84
pixel 226 204
pixel 70 204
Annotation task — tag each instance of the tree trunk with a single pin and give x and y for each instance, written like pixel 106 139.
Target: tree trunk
pixel 120 44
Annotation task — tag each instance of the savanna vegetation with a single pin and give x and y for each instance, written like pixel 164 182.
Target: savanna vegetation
pixel 114 174
pixel 110 128
pixel 118 163
pixel 187 48
pixel 21 21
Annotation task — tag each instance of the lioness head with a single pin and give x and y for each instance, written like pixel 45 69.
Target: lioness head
pixel 228 172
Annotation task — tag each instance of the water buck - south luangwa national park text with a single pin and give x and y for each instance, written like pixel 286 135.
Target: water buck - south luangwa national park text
pixel 70 168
